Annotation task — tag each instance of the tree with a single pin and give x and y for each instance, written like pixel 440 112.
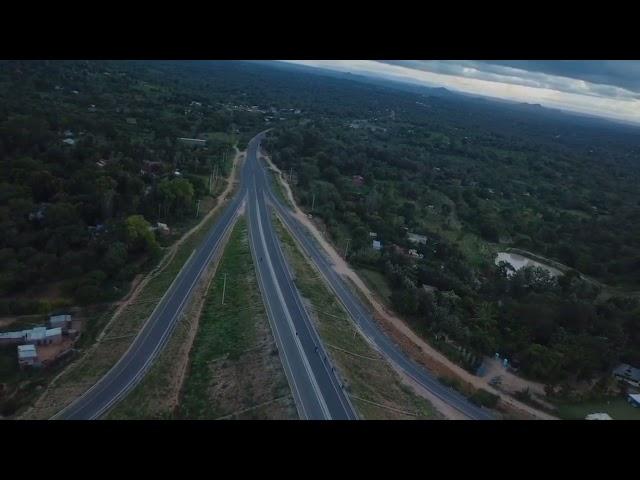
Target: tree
pixel 115 258
pixel 139 237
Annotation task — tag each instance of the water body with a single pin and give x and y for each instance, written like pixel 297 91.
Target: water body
pixel 519 261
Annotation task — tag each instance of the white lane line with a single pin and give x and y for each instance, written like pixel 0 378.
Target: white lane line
pixel 144 334
pixel 355 317
pixel 274 326
pixel 315 338
pixel 171 325
pixel 305 361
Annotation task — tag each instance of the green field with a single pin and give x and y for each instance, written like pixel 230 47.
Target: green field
pixel 618 409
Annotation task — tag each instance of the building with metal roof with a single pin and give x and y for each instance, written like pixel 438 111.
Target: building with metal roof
pixel 36 335
pixel 28 355
pixel 62 321
pixel 628 374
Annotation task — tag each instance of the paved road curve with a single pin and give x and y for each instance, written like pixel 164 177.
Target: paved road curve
pixel 367 324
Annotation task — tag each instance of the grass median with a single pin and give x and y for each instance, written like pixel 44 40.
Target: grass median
pixel 232 369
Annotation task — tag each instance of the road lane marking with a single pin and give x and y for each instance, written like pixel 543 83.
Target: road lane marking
pixel 305 361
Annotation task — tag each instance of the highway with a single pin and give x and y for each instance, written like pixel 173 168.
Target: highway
pixel 317 391
pixel 365 322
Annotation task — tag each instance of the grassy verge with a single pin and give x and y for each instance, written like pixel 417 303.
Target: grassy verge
pixel 97 358
pixel 377 282
pixel 278 188
pixel 375 388
pixel 235 371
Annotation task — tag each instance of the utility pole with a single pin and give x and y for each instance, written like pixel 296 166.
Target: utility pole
pixel 290 173
pixel 313 202
pixel 346 249
pixel 197 208
pixel 224 287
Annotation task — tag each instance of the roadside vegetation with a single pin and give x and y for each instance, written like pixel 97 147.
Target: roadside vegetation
pixel 221 360
pixel 472 188
pixel 373 386
pixel 119 330
pixel 234 370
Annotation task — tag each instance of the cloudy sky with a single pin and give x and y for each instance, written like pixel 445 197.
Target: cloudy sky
pixel 608 88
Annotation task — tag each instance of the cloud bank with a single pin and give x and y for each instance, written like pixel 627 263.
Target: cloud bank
pixel 608 89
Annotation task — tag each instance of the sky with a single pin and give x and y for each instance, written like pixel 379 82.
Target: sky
pixel 606 88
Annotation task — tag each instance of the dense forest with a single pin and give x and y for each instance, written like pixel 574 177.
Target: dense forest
pixel 91 161
pixel 474 177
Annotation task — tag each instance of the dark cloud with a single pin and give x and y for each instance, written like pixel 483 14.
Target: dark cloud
pixel 620 73
pixel 599 78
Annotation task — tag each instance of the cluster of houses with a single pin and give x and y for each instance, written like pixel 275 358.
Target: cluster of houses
pixel 412 237
pixel 28 341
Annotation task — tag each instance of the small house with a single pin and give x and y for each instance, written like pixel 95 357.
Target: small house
pixel 163 228
pixel 69 141
pixel 28 356
pixel 53 335
pixel 628 374
pixel 36 336
pixel 60 321
pixel 11 338
pixel 377 245
pixel 358 180
pixel 373 235
pixel 415 238
pixel 634 399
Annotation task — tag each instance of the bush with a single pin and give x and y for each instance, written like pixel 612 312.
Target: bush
pixel 484 398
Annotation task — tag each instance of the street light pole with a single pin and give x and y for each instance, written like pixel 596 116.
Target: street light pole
pixel 224 287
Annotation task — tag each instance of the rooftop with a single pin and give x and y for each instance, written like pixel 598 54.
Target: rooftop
pixel 27 351
pixel 52 332
pixel 598 416
pixel 627 371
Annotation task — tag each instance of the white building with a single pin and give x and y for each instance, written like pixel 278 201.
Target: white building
pixel 628 374
pixel 28 356
pixel 377 245
pixel 62 321
pixel 598 416
pixel 415 238
pixel 53 335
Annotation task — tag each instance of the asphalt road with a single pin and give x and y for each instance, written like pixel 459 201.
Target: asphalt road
pixel 133 365
pixel 317 391
pixel 367 324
